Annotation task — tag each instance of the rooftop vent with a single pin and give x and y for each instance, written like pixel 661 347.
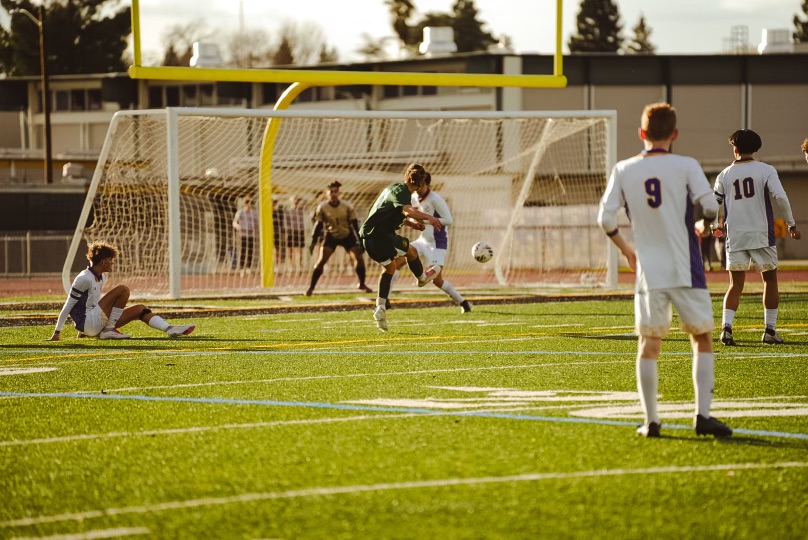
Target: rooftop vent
pixel 438 41
pixel 776 40
pixel 206 55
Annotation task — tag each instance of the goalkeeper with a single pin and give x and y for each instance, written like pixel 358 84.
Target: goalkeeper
pixel 95 316
pixel 337 219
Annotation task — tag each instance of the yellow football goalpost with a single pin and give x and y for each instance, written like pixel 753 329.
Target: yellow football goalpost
pixel 302 79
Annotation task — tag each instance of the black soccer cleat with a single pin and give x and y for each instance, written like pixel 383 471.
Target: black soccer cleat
pixel 726 336
pixel 650 430
pixel 770 337
pixel 711 426
pixel 465 307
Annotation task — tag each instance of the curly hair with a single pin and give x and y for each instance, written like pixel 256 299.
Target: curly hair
pixel 98 251
pixel 415 175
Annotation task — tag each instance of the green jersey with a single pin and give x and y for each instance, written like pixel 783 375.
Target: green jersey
pixel 386 217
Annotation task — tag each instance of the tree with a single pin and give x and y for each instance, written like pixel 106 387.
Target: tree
pixel 179 40
pixel 598 25
pixel 373 49
pixel 328 55
pixel 468 30
pixel 283 55
pixel 82 36
pixel 801 27
pixel 248 48
pixel 641 41
pixel 401 11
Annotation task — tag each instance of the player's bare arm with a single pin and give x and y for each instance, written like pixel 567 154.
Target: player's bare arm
pixel 412 213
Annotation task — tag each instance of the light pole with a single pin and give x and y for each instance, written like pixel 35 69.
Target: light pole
pixel 43 62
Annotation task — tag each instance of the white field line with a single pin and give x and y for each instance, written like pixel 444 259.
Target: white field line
pixel 91 535
pixel 372 488
pixel 203 429
pixel 353 376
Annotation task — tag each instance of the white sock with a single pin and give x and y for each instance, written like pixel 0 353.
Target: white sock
pixel 380 302
pixel 770 317
pixel 114 314
pixel 703 380
pixel 159 323
pixel 728 317
pixel 647 383
pixel 448 289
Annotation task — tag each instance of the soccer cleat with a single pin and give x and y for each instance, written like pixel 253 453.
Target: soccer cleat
pixel 180 330
pixel 387 304
pixel 430 274
pixel 380 316
pixel 770 337
pixel 309 292
pixel 650 430
pixel 364 288
pixel 711 426
pixel 465 307
pixel 726 335
pixel 112 333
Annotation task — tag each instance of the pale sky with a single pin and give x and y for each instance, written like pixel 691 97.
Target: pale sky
pixel 678 26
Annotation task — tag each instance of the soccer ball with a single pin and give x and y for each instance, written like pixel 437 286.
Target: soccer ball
pixel 482 252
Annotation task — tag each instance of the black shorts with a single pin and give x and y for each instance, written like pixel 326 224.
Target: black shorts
pixel 383 248
pixel 349 242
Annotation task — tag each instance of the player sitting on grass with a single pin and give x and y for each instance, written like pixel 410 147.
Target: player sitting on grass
pixel 101 317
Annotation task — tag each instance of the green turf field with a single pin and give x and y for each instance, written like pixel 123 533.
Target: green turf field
pixel 514 421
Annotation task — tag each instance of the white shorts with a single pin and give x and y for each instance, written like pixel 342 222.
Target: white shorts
pixel 757 260
pixel 653 313
pixel 95 321
pixel 428 253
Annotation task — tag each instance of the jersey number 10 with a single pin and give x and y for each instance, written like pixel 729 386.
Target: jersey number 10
pixel 748 188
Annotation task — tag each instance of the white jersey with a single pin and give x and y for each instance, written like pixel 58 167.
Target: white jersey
pixel 434 205
pixel 659 191
pixel 745 188
pixel 84 296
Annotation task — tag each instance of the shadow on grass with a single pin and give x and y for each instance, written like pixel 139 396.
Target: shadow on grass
pixel 738 441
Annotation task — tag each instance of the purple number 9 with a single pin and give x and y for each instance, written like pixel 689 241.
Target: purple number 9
pixel 653 187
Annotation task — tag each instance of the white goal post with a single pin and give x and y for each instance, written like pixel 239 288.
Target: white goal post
pixel 169 182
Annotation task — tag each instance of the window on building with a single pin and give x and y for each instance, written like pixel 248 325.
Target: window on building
pixel 156 97
pixel 61 101
pixel 94 99
pixel 172 96
pixel 78 101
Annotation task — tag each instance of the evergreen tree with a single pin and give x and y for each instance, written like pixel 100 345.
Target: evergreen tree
pixel 801 27
pixel 469 35
pixel 171 58
pixel 598 26
pixel 641 41
pixel 82 36
pixel 283 55
pixel 468 29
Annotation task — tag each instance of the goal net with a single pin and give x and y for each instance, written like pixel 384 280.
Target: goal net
pixel 169 183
